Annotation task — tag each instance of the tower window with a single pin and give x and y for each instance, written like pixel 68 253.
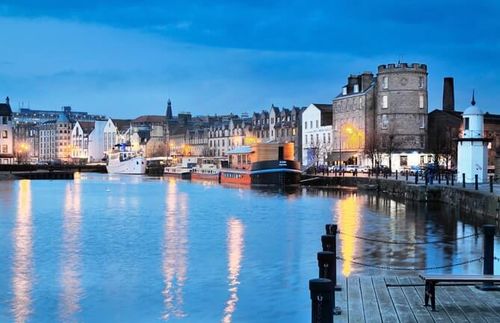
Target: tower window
pixel 385 103
pixel 385 121
pixel 466 123
pixel 385 82
pixel 421 82
pixel 421 101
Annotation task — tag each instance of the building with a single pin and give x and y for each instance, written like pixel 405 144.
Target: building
pixel 116 131
pixel 353 125
pixel 41 116
pixel 6 134
pixel 377 118
pixel 80 141
pixel 148 134
pixel 316 134
pixel 55 140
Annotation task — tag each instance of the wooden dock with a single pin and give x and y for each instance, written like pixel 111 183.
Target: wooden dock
pixel 370 299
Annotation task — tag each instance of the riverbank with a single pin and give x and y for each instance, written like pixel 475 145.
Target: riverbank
pixel 479 202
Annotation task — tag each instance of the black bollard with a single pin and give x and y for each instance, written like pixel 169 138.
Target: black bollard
pixel 331 229
pixel 407 176
pixel 489 255
pixel 476 187
pixel 426 180
pixel 326 263
pixel 491 184
pixel 322 300
pixel 329 243
pixel 452 179
pixel 439 178
pixel 396 175
pixel 416 178
pixel 447 179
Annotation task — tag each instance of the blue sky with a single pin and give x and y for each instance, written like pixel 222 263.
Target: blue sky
pixel 125 58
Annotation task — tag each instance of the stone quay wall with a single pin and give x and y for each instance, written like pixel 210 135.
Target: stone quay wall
pixel 480 203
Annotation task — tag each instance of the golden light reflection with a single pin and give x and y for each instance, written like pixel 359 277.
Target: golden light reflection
pixel 71 263
pixel 348 220
pixel 175 251
pixel 22 279
pixel 235 245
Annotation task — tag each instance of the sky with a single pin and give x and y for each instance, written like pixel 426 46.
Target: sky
pixel 126 58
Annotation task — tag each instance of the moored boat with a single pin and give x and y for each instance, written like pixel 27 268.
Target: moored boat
pixel 123 161
pixel 262 164
pixel 178 171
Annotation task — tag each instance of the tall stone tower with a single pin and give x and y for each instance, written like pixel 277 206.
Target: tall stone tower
pixel 401 107
pixel 448 94
pixel 472 147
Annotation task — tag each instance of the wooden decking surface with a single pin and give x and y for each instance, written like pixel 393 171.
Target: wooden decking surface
pixel 369 299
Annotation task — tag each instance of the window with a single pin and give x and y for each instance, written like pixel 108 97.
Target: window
pixel 422 122
pixel 403 160
pixel 305 124
pixel 5 134
pixel 272 120
pixel 466 123
pixel 311 124
pixel 312 139
pixel 421 101
pixel 422 160
pixel 317 138
pixel 324 138
pixel 385 104
pixel 385 121
pixel 306 139
pixel 329 137
pixel 421 82
pixel 4 149
pixel 317 124
pixel 385 82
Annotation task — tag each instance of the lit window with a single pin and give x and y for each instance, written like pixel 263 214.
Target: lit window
pixel 422 122
pixel 385 121
pixel 5 134
pixel 385 81
pixel 421 82
pixel 421 101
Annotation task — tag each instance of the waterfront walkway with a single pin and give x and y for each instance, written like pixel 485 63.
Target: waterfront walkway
pixel 370 299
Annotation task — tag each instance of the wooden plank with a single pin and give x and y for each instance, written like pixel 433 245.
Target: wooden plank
pixel 481 304
pixel 449 311
pixel 403 309
pixel 341 301
pixel 355 303
pixel 371 309
pixel 470 311
pixel 414 295
pixel 492 298
pixel 386 307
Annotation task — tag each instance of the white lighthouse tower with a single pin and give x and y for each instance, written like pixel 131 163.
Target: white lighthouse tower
pixel 473 147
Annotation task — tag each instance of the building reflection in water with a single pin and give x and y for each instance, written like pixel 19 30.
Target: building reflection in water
pixel 175 251
pixel 348 210
pixel 235 246
pixel 71 291
pixel 22 280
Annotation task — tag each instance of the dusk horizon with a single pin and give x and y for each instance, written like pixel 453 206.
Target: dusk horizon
pixel 124 60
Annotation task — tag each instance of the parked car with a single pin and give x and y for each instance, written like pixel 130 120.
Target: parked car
pixel 336 168
pixel 363 169
pixel 352 168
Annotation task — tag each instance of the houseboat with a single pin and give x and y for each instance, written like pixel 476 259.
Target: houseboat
pixel 207 169
pixel 262 164
pixel 183 170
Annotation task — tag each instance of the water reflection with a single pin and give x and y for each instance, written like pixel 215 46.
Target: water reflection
pixel 70 258
pixel 22 279
pixel 348 211
pixel 175 251
pixel 235 245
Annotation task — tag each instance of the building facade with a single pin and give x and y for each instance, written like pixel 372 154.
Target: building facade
pixel 55 140
pixel 6 134
pixel 316 134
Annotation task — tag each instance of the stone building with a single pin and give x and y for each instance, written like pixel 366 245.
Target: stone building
pixel 55 140
pixel 80 140
pixel 401 107
pixel 376 117
pixel 6 134
pixel 148 134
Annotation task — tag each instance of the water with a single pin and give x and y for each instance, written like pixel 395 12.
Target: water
pixel 132 249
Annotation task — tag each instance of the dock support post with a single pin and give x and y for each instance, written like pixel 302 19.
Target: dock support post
pixel 491 184
pixel 463 180
pixel 475 183
pixel 489 255
pixel 322 300
pixel 452 179
pixel 416 177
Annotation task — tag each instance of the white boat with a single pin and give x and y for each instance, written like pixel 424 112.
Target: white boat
pixel 126 162
pixel 178 171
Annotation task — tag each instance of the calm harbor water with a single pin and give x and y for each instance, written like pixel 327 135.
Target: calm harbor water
pixel 134 249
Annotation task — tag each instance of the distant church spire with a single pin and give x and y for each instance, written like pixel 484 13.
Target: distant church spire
pixel 169 110
pixel 7 100
pixel 473 102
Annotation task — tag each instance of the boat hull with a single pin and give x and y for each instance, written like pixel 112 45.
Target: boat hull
pixel 133 166
pixel 272 172
pixel 205 177
pixel 184 175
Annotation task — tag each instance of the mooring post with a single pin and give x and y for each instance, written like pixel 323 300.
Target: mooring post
pixel 407 176
pixel 476 187
pixel 491 184
pixel 329 243
pixel 322 300
pixel 416 177
pixel 489 255
pixel 463 180
pixel 439 177
pixel 452 179
pixel 396 175
pixel 447 179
